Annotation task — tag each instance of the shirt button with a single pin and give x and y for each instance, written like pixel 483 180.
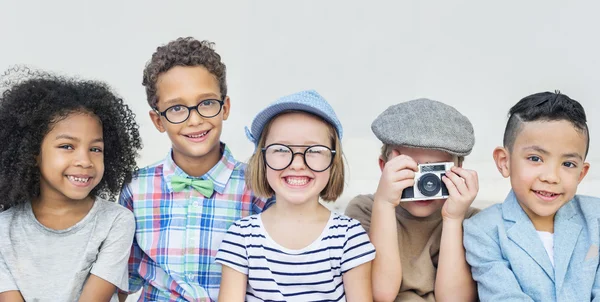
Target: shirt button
pixel 191 277
pixel 196 204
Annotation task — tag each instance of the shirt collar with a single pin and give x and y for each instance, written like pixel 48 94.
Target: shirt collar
pixel 219 173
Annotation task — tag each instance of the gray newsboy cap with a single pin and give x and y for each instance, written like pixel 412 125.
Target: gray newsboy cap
pixel 427 124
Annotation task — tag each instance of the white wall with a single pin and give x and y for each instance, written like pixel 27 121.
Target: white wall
pixel 479 56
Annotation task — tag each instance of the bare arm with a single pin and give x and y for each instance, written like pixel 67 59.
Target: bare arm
pixel 11 296
pixel 357 283
pixel 97 289
pixel 233 285
pixel 397 174
pixel 386 268
pixel 453 281
pixel 123 297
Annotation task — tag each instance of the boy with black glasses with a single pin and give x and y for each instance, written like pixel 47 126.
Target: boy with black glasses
pixel 185 203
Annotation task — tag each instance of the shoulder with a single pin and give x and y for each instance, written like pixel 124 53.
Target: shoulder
pixel 153 170
pixel 360 204
pixel 146 179
pixel 471 212
pixel 113 212
pixel 488 217
pixel 246 224
pixel 12 222
pixel 345 223
pixel 6 219
pixel 587 205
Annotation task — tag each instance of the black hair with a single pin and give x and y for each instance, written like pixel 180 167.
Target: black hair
pixel 545 106
pixel 183 52
pixel 32 103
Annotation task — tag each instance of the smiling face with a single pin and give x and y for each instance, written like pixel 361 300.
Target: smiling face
pixel 297 184
pixel 545 166
pixel 71 159
pixel 198 137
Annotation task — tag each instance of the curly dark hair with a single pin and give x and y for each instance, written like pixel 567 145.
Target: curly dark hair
pixel 183 52
pixel 31 105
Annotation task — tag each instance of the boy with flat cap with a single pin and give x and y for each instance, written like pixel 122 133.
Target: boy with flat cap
pixel 420 253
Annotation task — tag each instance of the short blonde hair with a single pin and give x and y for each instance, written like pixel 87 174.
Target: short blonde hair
pixel 386 149
pixel 256 177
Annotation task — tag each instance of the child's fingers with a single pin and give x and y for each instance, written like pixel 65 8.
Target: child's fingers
pixel 401 162
pixel 452 190
pixel 402 175
pixel 401 185
pixel 458 182
pixel 469 176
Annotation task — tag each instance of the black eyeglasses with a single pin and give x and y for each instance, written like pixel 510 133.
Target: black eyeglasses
pixel 318 158
pixel 178 114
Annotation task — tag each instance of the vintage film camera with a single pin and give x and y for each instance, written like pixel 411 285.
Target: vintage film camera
pixel 428 183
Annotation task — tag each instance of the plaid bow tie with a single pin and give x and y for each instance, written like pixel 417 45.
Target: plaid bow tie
pixel 205 187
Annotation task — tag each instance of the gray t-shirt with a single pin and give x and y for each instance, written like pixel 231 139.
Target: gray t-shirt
pixel 53 265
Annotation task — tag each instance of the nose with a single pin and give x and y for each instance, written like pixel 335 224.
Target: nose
pixel 551 174
pixel 298 161
pixel 195 118
pixel 83 159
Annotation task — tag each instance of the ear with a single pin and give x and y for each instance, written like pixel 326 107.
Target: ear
pixel 381 163
pixel 226 107
pixel 584 171
pixel 502 159
pixel 392 154
pixel 156 120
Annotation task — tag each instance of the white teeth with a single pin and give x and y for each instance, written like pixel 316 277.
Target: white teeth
pixel 198 135
pixel 79 179
pixel 547 194
pixel 296 181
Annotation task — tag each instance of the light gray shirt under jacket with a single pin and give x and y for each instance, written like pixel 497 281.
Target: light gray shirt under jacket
pixel 53 265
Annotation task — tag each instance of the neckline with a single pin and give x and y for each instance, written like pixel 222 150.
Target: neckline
pixel 219 174
pixel 309 247
pixel 70 229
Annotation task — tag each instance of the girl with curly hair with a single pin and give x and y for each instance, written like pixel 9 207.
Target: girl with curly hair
pixel 67 147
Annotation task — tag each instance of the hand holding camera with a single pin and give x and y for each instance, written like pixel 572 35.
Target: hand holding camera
pixel 397 175
pixel 462 185
pixel 428 183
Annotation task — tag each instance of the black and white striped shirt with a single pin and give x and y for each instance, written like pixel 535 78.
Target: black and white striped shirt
pixel 313 273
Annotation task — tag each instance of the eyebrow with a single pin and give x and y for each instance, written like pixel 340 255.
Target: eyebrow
pixel 544 152
pixel 202 96
pixel 72 138
pixel 306 143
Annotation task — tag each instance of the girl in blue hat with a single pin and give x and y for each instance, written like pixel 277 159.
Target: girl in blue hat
pixel 296 250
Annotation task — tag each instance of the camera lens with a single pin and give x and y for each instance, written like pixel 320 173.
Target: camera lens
pixel 429 184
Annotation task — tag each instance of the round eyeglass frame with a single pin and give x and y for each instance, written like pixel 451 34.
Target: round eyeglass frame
pixel 264 152
pixel 190 108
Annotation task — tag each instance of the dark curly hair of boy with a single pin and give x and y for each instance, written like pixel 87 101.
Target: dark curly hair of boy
pixel 183 52
pixel 29 108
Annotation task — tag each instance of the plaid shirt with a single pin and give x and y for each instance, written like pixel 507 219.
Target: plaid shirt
pixel 178 233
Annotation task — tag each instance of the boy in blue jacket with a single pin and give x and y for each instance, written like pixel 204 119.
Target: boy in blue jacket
pixel 541 243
